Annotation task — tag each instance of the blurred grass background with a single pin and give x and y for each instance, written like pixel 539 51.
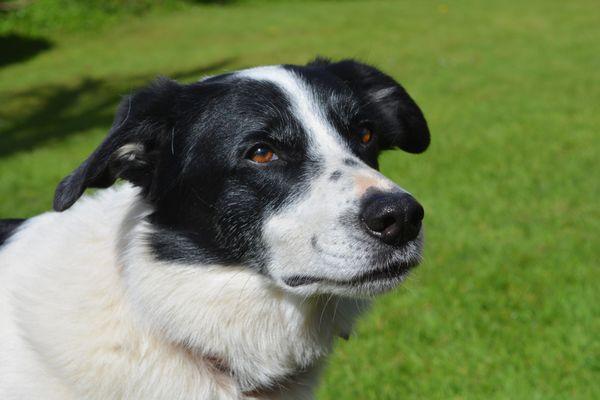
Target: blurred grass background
pixel 506 304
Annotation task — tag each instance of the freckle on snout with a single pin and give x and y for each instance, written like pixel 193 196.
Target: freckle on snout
pixel 350 162
pixel 335 175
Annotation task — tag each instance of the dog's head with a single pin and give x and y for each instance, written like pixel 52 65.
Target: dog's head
pixel 272 168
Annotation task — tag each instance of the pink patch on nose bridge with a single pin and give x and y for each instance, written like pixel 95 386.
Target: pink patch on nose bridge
pixel 364 182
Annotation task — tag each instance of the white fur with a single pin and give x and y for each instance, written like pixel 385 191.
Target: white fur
pixel 87 313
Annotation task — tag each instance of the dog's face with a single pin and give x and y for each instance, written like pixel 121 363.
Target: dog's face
pixel 272 168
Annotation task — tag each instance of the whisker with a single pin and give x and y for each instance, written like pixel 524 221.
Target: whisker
pixel 337 303
pixel 201 199
pixel 240 295
pixel 228 282
pixel 323 310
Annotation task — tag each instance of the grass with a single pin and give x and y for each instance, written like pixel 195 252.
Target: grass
pixel 506 304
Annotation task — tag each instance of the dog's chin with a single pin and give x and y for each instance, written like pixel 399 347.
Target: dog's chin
pixel 371 282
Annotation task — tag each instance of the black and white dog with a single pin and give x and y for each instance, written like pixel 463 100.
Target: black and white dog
pixel 251 229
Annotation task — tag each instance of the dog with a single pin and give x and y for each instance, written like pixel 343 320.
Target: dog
pixel 249 229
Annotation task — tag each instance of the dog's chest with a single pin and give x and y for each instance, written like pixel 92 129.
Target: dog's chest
pixel 255 333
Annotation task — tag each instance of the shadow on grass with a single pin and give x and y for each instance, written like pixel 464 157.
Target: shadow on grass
pixel 16 48
pixel 53 112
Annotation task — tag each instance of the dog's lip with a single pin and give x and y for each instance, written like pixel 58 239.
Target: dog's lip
pixel 389 272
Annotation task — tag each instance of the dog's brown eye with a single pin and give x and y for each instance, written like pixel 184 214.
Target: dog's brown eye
pixel 365 135
pixel 261 154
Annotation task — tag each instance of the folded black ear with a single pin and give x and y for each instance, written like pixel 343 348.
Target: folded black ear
pixel 401 121
pixel 141 125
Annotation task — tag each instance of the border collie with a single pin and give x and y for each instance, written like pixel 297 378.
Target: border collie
pixel 251 228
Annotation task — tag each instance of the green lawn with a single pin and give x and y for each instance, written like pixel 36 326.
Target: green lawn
pixel 506 304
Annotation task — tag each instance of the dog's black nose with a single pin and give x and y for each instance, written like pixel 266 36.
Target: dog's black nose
pixel 395 218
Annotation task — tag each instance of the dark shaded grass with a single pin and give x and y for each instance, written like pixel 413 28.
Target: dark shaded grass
pixel 48 114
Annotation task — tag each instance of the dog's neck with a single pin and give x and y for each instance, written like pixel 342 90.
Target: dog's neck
pixel 255 331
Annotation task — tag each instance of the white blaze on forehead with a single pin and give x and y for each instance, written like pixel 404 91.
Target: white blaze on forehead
pixel 306 107
pixel 323 136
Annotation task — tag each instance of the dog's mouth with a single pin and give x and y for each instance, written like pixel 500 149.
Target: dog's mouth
pixel 393 271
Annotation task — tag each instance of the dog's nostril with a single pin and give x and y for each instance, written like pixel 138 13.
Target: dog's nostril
pixel 394 218
pixel 381 224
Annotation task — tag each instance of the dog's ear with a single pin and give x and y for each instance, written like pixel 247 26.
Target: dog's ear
pixel 401 122
pixel 142 125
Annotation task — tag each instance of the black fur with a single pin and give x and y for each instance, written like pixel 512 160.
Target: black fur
pixel 8 228
pixel 350 162
pixel 186 146
pixel 383 100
